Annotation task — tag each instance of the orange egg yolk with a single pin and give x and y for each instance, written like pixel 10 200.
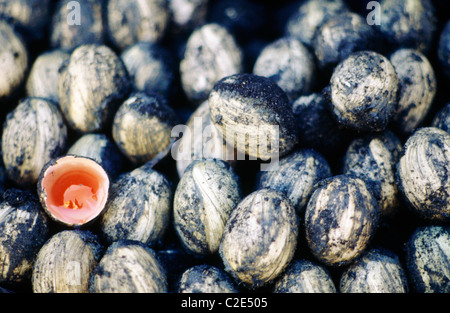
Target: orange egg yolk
pixel 76 190
pixel 76 196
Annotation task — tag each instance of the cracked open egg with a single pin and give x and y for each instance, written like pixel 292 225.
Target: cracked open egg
pixel 73 190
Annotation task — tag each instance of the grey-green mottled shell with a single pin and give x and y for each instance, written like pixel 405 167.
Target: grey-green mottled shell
pixel 65 263
pixel 138 208
pixel 44 75
pixel 206 279
pixel 423 173
pixel 340 220
pixel 128 267
pixel 201 140
pixel 14 60
pixel 364 90
pixel 408 23
pixel 417 88
pixel 339 36
pixel 253 114
pixel 132 21
pixel 377 271
pixel 260 238
pixel 77 24
pixel 304 276
pixel 91 87
pixel 296 175
pixel 211 53
pixel 150 67
pixel 205 196
pixel 442 118
pixel 428 259
pixel 102 149
pixel 310 15
pixel 142 127
pixel 288 63
pixel 24 228
pixel 34 133
pixel 373 158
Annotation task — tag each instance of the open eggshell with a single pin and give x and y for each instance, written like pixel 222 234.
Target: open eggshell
pixel 73 190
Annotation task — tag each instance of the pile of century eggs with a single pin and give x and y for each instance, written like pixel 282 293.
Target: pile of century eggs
pixel 318 130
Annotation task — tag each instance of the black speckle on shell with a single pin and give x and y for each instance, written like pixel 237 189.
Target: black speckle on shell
pixel 142 127
pixel 288 63
pixel 443 52
pixel 138 208
pixel 65 263
pixel 340 220
pixel 296 175
pixel 102 149
pixel 310 15
pixel 91 87
pixel 132 21
pixel 363 92
pixel 341 35
pixel 317 126
pixel 373 158
pixel 253 114
pixel 34 133
pixel 304 276
pixel 408 23
pixel 260 238
pixel 151 67
pixel 206 279
pixel 44 76
pixel 128 267
pixel 377 271
pixel 77 24
pixel 422 173
pixel 14 61
pixel 24 228
pixel 206 194
pixel 442 118
pixel 417 89
pixel 428 259
pixel 211 53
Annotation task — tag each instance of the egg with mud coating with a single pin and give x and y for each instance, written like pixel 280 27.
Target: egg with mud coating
pixel 260 238
pixel 341 218
pixel 206 194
